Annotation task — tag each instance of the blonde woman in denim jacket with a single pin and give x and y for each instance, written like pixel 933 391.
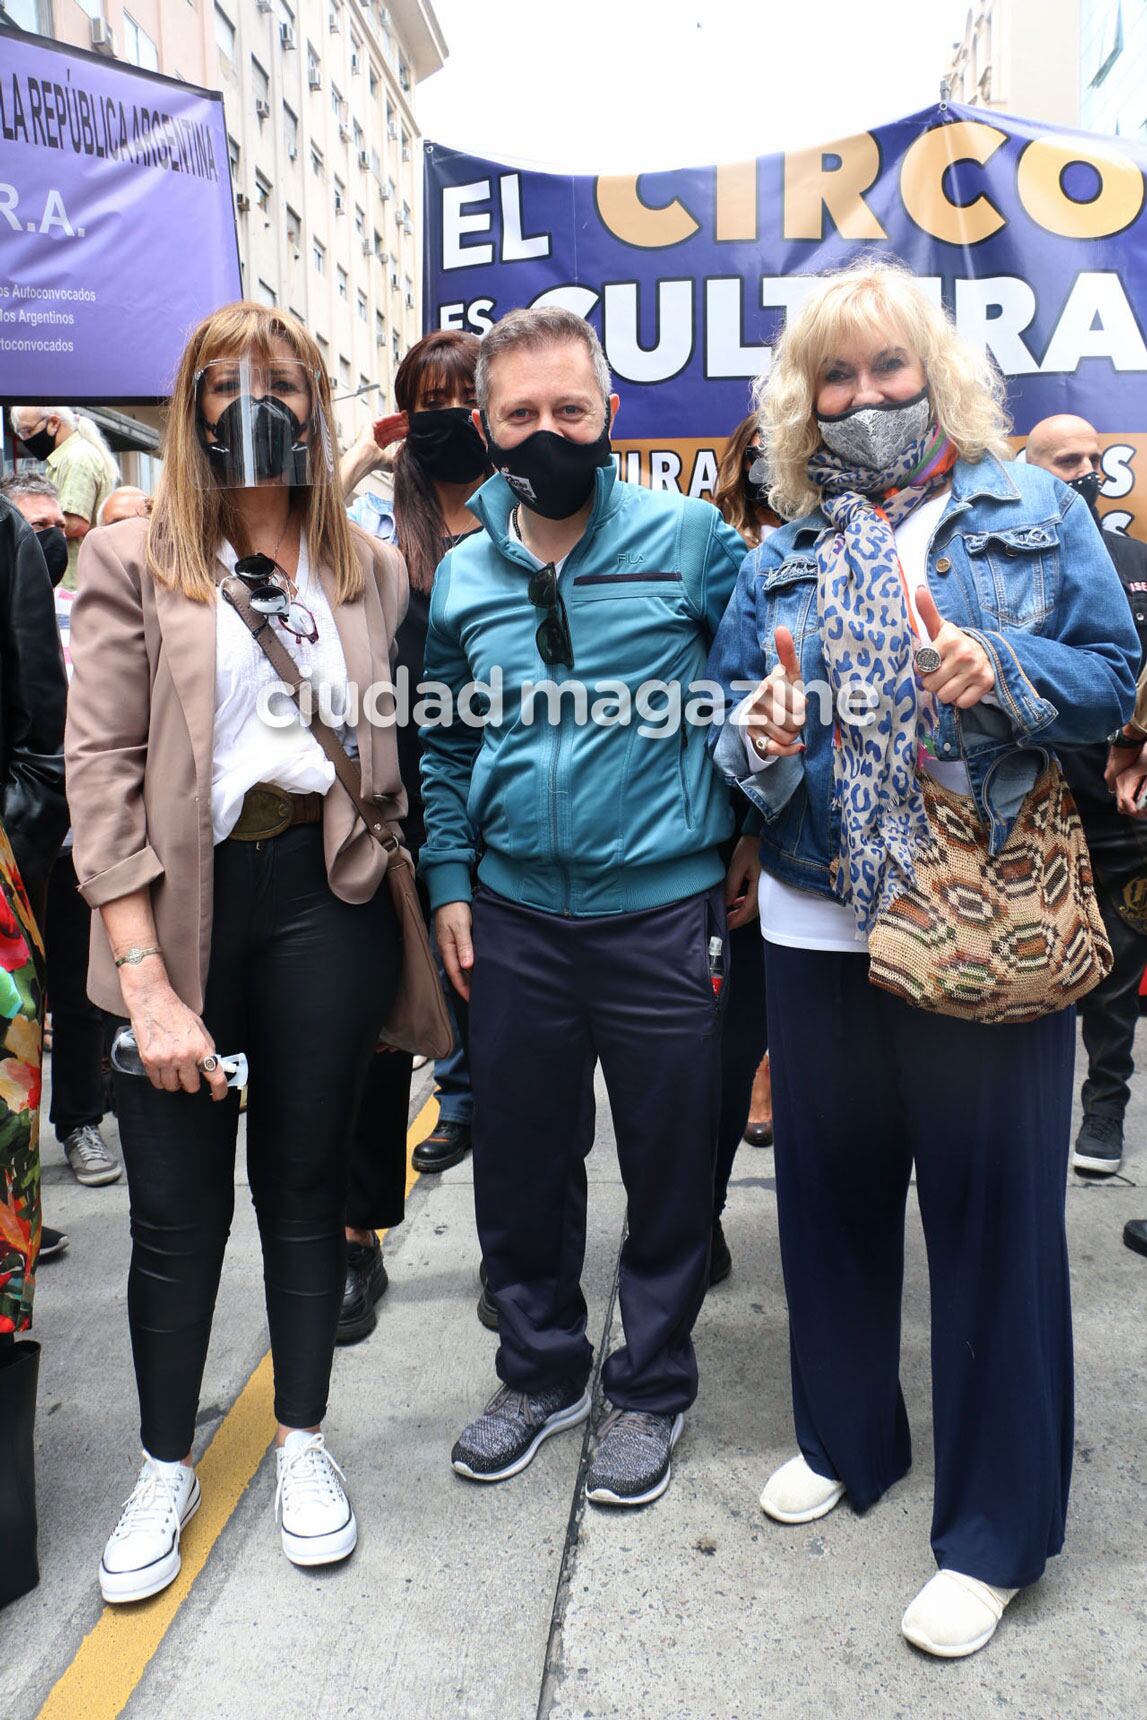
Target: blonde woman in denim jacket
pixel 973 598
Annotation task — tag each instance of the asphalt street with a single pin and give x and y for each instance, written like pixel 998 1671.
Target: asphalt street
pixel 505 1603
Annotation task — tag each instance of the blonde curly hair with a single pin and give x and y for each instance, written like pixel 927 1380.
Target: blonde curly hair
pixel 966 390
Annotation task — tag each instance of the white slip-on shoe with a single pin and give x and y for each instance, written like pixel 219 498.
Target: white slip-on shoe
pixel 318 1525
pixel 142 1554
pixel 794 1493
pixel 954 1615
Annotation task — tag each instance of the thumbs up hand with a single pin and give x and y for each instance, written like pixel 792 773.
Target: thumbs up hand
pixel 965 673
pixel 775 714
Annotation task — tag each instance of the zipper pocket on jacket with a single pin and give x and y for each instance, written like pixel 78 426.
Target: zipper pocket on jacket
pixel 682 777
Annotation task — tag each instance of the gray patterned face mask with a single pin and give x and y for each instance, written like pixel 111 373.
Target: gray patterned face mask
pixel 874 436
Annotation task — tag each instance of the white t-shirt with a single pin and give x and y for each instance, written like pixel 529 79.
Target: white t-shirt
pixel 795 917
pixel 248 750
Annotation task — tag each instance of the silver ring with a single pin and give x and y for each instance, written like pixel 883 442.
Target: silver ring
pixel 927 660
pixel 761 748
pixel 209 1064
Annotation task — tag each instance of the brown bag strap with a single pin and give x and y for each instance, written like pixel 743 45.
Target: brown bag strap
pixel 287 670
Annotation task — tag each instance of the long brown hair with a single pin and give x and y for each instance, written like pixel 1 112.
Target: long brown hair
pixel 729 494
pixel 443 361
pixel 192 513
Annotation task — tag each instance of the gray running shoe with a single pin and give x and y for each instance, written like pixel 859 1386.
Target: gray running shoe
pixel 513 1424
pixel 631 1463
pixel 88 1154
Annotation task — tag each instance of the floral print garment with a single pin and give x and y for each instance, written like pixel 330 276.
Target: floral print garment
pixel 21 1019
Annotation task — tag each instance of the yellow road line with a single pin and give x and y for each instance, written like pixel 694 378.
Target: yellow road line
pixel 116 1652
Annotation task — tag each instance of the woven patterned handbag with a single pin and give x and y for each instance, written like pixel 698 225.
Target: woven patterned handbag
pixel 995 937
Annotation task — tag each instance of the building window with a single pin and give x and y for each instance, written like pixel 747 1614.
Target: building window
pixel 373 84
pixel 138 46
pixel 343 281
pixel 404 76
pixel 294 229
pixel 378 246
pixel 336 101
pixel 319 257
pixel 233 154
pixel 394 344
pixel 314 69
pixel 405 145
pixel 224 34
pixel 359 140
pixel 391 122
pixel 380 328
pixel 260 88
pixel 291 131
pixel 286 15
pixel 355 56
pixel 360 221
pixel 361 302
pixel 340 196
pixel 263 192
pixel 316 161
pixel 265 294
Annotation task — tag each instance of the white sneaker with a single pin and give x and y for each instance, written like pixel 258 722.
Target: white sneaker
pixel 318 1524
pixel 794 1493
pixel 142 1555
pixel 954 1615
pixel 92 1161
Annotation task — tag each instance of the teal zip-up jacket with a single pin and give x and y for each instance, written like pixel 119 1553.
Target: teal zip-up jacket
pixel 579 818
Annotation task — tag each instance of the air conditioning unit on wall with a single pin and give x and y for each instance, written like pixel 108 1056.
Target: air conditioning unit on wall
pixel 103 38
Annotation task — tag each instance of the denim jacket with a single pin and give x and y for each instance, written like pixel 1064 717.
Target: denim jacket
pixel 1016 561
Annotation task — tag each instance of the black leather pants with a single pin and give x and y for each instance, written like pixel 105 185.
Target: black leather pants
pixel 300 981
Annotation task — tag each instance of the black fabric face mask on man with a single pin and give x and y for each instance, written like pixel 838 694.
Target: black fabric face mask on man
pixel 550 474
pixel 446 444
pixel 39 444
pixel 1089 486
pixel 54 546
pixel 276 440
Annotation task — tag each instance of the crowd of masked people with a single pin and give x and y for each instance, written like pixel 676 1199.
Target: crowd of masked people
pixel 784 876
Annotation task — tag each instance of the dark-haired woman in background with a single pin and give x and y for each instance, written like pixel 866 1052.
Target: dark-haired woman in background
pixel 440 461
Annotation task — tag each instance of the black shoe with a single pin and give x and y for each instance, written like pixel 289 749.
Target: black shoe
pixel 720 1260
pixel 447 1145
pixel 488 1310
pixel 758 1134
pixel 1135 1234
pixel 52 1243
pixel 1098 1147
pixel 365 1282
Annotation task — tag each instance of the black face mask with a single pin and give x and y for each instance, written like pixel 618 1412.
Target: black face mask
pixel 754 477
pixel 550 474
pixel 54 545
pixel 446 444
pixel 39 444
pixel 1089 486
pixel 276 438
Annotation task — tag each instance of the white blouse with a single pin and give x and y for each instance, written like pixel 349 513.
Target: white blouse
pixel 249 749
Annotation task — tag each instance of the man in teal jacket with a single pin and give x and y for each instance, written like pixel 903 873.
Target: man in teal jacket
pixel 598 929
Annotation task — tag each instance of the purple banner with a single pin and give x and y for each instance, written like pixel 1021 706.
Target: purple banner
pixel 117 225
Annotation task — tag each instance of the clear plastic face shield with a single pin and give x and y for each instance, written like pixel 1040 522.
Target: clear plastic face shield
pixel 260 422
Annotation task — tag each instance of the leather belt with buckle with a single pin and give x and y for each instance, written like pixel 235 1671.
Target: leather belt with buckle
pixel 268 811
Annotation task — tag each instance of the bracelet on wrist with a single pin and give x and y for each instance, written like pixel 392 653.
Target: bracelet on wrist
pixel 136 954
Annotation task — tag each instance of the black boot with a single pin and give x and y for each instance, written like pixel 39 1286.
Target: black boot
pixel 19 1564
pixel 365 1282
pixel 447 1145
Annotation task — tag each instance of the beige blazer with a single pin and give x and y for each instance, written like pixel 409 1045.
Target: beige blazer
pixel 141 719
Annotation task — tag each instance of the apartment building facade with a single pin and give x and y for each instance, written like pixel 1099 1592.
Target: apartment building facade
pixel 325 159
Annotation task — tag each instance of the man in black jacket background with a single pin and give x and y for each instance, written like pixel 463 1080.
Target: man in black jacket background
pixel 1069 447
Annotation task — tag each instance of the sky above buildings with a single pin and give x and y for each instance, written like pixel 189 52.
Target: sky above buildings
pixel 616 85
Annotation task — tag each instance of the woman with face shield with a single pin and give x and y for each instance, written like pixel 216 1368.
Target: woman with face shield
pixel 238 889
pixel 934 621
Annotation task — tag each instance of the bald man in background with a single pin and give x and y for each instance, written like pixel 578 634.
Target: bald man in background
pixel 125 503
pixel 1069 447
